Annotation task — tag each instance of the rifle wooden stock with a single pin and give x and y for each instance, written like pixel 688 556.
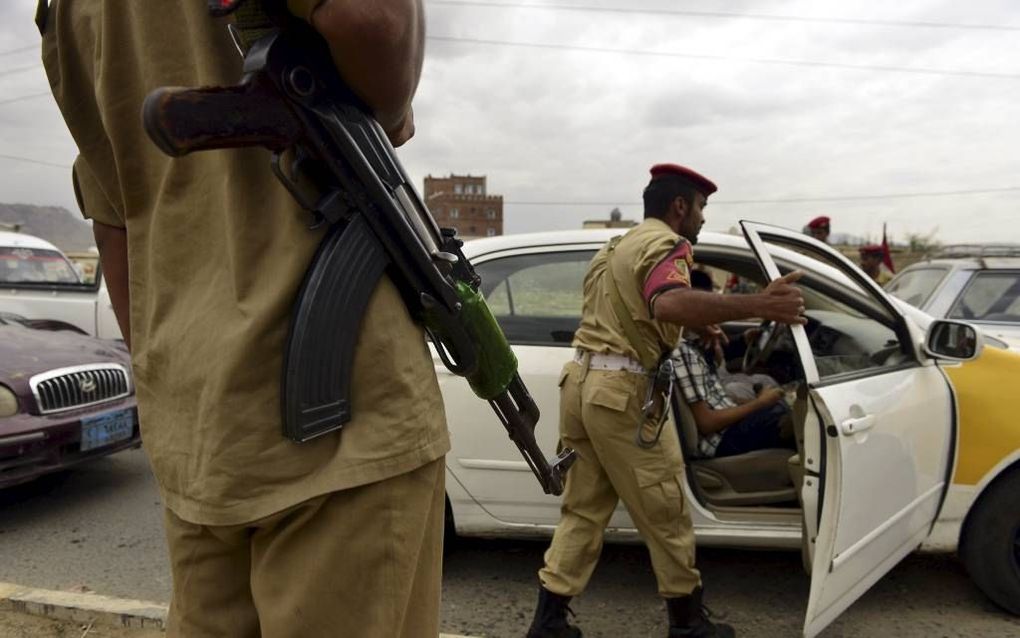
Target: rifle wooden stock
pixel 181 121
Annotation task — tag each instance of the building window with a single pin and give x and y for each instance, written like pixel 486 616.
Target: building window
pixel 454 213
pixel 491 232
pixel 491 214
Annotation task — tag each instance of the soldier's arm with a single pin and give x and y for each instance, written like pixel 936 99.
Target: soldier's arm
pixel 378 47
pixel 112 244
pixel 781 301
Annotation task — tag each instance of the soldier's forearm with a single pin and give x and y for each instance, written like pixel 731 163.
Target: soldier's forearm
pixel 696 308
pixel 378 47
pixel 112 244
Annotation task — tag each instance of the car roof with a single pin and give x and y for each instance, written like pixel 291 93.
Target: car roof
pixel 21 240
pixel 968 263
pixel 487 245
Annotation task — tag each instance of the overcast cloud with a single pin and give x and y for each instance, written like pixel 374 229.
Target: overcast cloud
pixel 578 126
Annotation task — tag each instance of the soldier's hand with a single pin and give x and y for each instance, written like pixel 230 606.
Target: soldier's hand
pixel 403 131
pixel 782 301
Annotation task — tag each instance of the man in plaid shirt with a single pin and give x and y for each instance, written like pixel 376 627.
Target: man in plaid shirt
pixel 725 427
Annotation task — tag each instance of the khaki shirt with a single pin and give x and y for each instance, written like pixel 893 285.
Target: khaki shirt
pixel 647 261
pixel 217 249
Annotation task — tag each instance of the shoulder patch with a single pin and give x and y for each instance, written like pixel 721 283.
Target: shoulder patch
pixel 674 271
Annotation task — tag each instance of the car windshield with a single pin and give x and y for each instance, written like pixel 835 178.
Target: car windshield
pixel 916 286
pixel 35 266
pixel 991 296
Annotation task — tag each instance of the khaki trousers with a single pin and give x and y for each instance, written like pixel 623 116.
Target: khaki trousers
pixel 599 415
pixel 360 562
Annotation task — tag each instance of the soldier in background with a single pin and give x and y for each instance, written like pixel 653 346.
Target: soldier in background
pixel 873 263
pixel 818 228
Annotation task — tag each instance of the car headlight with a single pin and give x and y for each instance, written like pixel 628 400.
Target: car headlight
pixel 8 402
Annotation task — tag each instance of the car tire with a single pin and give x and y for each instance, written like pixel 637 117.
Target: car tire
pixel 990 546
pixel 449 529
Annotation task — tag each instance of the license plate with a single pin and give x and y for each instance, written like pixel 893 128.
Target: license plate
pixel 106 429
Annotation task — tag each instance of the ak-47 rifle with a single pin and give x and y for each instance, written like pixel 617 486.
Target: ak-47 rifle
pixel 338 164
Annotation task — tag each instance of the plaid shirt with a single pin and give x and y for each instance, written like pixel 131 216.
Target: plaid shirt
pixel 700 382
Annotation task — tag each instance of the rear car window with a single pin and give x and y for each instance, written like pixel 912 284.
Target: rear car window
pixel 536 298
pixel 916 286
pixel 35 266
pixel 990 296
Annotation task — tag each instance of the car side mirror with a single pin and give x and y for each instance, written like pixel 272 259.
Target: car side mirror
pixel 953 340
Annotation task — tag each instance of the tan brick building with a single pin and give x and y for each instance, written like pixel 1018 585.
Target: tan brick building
pixel 461 201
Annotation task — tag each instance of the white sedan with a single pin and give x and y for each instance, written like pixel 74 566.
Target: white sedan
pixel 897 445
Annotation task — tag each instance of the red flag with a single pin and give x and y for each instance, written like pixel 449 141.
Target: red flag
pixel 886 255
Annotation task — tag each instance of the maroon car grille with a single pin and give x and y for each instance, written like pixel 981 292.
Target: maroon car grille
pixel 71 388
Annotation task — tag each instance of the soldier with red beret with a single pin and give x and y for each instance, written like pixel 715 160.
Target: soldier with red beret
pixel 819 228
pixel 637 299
pixel 873 263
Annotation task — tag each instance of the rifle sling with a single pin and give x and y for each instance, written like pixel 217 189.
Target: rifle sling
pixel 648 361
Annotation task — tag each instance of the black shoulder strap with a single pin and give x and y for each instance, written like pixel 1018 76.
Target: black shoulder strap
pixel 42 11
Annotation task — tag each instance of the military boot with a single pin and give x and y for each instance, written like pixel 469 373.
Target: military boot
pixel 551 617
pixel 689 618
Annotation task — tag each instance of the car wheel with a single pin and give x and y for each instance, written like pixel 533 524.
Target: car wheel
pixel 991 542
pixel 449 529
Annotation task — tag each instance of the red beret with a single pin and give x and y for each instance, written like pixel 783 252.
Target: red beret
pixel 819 222
pixel 871 249
pixel 700 182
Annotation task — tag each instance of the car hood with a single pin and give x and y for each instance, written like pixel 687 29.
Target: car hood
pixel 25 352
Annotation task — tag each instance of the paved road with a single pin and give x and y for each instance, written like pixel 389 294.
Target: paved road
pixel 98 527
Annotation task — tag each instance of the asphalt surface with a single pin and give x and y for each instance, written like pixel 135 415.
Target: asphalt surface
pixel 98 528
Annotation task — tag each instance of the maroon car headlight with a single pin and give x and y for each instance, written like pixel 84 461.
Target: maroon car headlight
pixel 8 402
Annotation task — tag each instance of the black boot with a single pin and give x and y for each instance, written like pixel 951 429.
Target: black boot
pixel 688 618
pixel 551 617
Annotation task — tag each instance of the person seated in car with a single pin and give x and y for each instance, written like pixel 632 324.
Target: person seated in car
pixel 725 426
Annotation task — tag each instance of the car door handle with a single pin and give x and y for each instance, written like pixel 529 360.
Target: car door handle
pixel 855 426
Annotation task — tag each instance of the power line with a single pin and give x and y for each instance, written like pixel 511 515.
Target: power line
pixel 19 70
pixel 788 200
pixel 727 15
pixel 24 97
pixel 20 49
pixel 726 58
pixel 29 160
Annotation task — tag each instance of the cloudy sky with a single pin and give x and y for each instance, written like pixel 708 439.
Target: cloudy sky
pixel 870 112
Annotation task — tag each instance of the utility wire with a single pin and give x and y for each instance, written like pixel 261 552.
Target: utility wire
pixel 20 49
pixel 18 70
pixel 24 97
pixel 727 15
pixel 29 160
pixel 726 58
pixel 788 200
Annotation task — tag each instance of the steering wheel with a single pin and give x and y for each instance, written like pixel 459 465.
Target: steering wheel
pixel 759 350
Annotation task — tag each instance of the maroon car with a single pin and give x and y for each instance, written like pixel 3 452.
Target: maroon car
pixel 65 398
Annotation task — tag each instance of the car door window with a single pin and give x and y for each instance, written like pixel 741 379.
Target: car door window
pixel 536 298
pixel 916 286
pixel 846 338
pixel 851 330
pixel 991 296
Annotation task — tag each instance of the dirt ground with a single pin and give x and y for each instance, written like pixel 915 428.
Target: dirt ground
pixel 17 625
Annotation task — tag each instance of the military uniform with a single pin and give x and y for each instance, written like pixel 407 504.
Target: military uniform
pixel 264 534
pixel 600 396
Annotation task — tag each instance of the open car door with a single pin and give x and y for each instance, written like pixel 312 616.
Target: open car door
pixel 880 428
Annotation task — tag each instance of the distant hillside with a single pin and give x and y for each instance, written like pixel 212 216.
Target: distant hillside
pixel 55 224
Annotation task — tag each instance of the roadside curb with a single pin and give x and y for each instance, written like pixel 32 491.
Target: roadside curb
pixel 90 608
pixel 83 608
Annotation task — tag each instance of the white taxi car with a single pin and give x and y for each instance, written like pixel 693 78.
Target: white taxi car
pixel 901 445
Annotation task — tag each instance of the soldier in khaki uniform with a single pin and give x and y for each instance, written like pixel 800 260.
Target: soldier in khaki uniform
pixel 646 274
pixel 204 256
